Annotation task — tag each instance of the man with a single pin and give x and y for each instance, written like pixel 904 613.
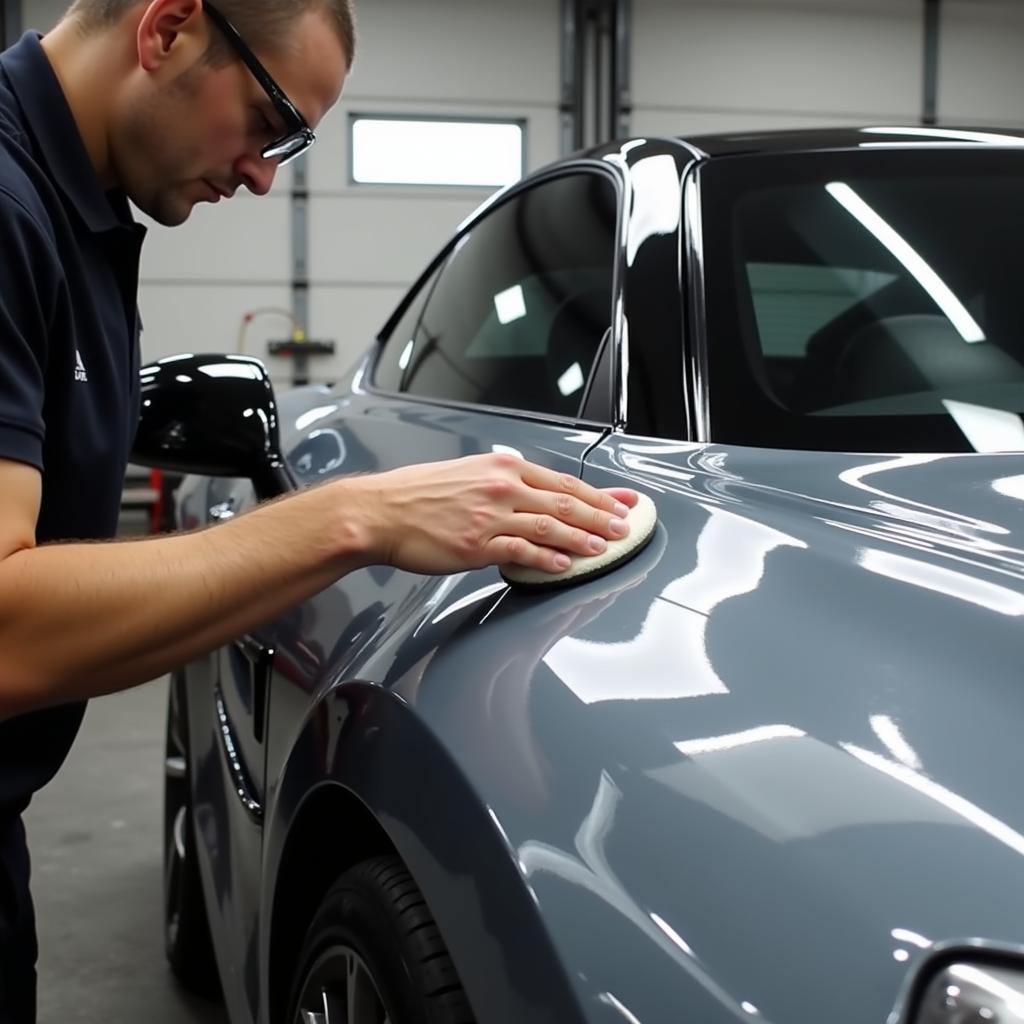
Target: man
pixel 163 102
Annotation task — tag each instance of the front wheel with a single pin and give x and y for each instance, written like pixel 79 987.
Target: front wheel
pixel 374 955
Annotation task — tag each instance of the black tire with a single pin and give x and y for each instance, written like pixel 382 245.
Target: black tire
pixel 374 951
pixel 186 927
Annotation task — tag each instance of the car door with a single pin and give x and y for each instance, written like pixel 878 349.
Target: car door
pixel 226 708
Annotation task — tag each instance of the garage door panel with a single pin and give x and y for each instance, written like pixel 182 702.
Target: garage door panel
pixel 501 51
pixel 803 58
pixel 972 32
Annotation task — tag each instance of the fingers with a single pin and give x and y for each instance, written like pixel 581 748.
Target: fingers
pixel 519 551
pixel 565 483
pixel 576 502
pixel 578 515
pixel 548 531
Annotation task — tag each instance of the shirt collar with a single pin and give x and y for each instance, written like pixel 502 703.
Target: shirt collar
pixel 52 126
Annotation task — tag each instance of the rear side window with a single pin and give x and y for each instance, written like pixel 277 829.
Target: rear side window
pixel 866 300
pixel 518 313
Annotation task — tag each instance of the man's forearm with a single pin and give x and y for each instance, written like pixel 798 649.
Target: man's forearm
pixel 81 620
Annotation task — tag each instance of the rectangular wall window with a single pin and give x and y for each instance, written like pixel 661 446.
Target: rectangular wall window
pixel 422 151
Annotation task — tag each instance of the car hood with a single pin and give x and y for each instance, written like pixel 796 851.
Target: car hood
pixel 768 767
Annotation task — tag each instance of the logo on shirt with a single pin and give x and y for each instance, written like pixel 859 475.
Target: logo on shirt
pixel 80 375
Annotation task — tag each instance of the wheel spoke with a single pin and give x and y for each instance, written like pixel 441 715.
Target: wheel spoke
pixel 341 990
pixel 323 1014
pixel 174 865
pixel 180 824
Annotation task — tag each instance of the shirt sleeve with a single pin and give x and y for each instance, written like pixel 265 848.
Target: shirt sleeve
pixel 30 281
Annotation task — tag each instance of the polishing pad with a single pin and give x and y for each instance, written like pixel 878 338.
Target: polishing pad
pixel 642 519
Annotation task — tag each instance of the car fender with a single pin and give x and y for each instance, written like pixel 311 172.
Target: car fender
pixel 352 739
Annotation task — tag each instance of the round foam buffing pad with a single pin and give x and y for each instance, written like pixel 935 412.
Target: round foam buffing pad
pixel 642 519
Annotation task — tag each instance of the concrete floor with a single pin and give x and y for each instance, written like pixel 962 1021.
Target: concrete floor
pixel 95 835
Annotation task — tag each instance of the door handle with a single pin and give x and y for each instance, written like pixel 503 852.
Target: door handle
pixel 260 659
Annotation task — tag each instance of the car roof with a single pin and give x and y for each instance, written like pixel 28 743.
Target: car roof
pixel 792 140
pixel 805 140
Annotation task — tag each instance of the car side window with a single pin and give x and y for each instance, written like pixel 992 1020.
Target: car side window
pixel 394 357
pixel 518 313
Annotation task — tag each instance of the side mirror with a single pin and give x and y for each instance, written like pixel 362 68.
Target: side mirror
pixel 214 415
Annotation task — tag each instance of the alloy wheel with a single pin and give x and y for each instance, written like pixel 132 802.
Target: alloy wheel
pixel 341 989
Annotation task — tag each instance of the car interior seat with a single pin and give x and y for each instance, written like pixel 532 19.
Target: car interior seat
pixel 912 353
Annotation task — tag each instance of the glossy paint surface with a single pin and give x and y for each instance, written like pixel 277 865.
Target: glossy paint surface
pixel 742 770
pixel 764 771
pixel 774 760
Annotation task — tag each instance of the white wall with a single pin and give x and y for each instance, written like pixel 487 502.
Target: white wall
pixel 698 65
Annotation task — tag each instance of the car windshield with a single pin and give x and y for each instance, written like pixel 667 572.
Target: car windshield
pixel 866 300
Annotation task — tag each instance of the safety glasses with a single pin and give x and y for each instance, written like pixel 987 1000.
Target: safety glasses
pixel 298 136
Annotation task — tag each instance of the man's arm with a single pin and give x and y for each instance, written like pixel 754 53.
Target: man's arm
pixel 81 620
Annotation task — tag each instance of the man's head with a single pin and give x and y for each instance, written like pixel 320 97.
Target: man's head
pixel 187 115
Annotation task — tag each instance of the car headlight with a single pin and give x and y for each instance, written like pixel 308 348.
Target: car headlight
pixel 966 993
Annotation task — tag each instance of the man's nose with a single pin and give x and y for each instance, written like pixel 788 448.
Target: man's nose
pixel 256 174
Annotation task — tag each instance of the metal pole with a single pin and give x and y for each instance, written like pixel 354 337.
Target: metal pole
pixel 929 112
pixel 570 78
pixel 582 72
pixel 596 95
pixel 622 99
pixel 300 265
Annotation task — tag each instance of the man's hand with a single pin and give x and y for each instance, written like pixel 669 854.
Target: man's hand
pixel 487 510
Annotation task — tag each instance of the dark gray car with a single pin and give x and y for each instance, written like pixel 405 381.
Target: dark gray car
pixel 768 770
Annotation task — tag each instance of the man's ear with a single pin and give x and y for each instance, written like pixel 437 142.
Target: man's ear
pixel 171 31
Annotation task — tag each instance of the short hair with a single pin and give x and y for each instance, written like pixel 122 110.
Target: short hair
pixel 262 23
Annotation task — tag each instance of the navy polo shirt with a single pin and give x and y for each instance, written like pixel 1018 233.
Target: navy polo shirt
pixel 69 353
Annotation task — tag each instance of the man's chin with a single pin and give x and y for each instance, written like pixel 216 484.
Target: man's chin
pixel 169 212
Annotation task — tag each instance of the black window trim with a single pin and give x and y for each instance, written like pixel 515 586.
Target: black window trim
pixel 613 174
pixel 696 393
